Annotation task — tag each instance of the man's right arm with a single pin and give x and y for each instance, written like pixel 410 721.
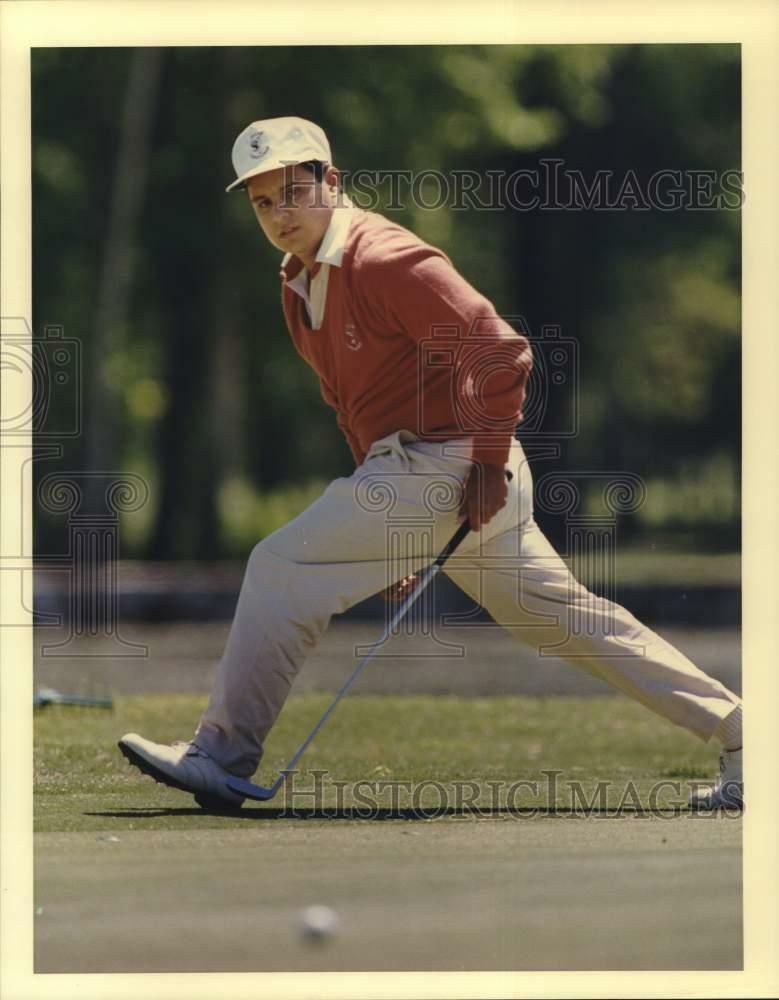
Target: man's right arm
pixel 419 290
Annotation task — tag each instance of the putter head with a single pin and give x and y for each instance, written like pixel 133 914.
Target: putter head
pixel 251 791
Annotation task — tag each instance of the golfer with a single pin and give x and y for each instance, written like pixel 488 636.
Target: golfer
pixel 427 383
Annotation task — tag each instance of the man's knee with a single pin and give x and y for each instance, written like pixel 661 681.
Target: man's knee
pixel 264 563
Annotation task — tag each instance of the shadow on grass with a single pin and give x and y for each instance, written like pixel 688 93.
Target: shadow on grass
pixel 413 815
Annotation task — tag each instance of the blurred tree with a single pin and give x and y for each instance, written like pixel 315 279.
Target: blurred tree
pixel 116 276
pixel 213 405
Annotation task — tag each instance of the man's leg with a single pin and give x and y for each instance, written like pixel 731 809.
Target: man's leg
pixel 332 556
pixel 518 577
pixel 527 588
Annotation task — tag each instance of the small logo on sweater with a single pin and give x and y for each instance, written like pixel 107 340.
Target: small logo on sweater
pixel 353 342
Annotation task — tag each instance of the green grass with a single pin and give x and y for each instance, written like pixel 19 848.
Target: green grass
pixel 83 783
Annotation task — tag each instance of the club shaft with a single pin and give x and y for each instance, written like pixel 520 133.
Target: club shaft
pixel 430 573
pixel 424 582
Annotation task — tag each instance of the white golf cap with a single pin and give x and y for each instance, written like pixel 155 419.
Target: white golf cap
pixel 276 142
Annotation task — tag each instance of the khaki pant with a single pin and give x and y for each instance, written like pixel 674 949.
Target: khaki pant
pixel 368 530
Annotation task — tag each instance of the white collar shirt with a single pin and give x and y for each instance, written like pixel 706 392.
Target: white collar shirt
pixel 313 290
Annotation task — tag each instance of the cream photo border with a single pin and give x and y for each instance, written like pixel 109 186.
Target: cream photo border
pixel 753 24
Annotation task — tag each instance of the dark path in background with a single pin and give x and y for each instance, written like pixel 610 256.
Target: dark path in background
pixel 675 589
pixel 182 657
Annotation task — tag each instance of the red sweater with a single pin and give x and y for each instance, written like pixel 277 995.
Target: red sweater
pixel 406 342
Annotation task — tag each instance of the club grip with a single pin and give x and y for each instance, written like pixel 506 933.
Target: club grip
pixel 453 542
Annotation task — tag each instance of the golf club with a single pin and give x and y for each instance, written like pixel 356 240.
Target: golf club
pixel 248 789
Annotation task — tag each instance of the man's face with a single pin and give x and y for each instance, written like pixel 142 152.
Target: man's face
pixel 293 208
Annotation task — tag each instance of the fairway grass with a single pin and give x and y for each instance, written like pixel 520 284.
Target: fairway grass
pixel 455 755
pixel 482 894
pixel 134 877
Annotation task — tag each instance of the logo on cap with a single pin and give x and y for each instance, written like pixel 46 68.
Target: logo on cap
pixel 256 147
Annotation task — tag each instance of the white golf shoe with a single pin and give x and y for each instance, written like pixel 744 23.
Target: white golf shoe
pixel 184 766
pixel 728 792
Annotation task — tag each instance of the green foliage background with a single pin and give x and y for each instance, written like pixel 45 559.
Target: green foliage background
pixel 208 399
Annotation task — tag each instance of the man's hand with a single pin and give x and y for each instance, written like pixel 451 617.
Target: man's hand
pixel 486 492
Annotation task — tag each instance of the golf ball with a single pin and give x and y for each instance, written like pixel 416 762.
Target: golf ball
pixel 318 923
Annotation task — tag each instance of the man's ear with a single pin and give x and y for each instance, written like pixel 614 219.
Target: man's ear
pixel 332 177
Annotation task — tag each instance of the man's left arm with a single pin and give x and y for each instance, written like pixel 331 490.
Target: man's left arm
pixel 421 290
